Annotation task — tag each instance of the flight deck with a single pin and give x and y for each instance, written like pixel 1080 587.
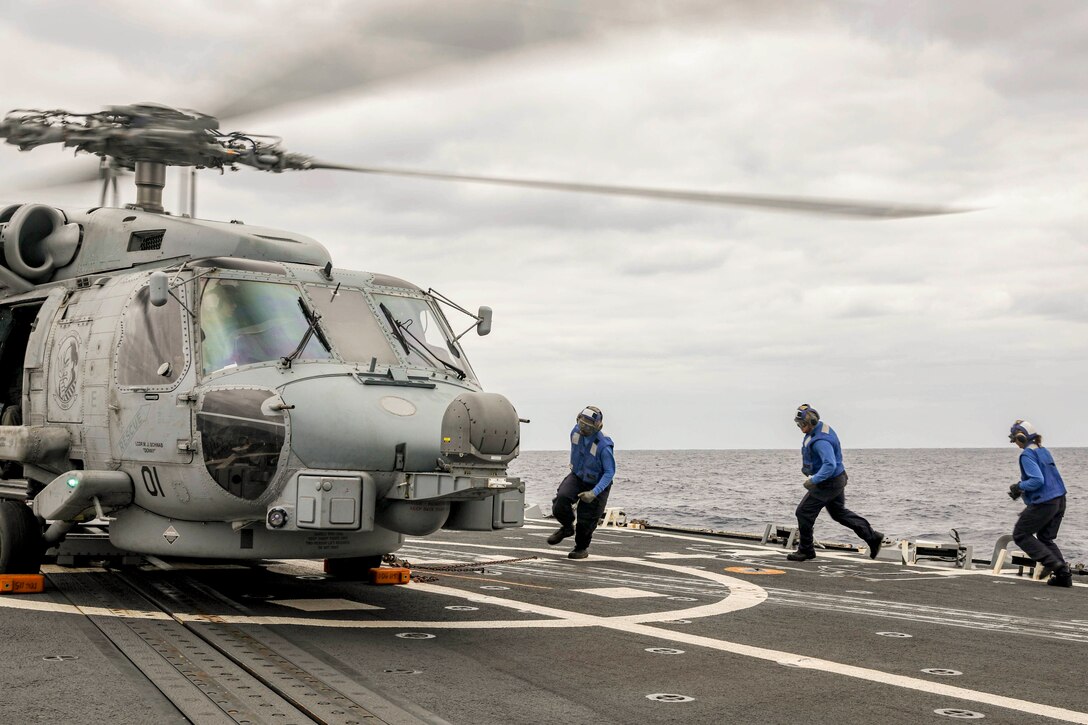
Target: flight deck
pixel 655 626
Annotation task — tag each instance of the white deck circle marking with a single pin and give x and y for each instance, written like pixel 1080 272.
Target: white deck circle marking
pixel 959 713
pixel 415 635
pixel 669 697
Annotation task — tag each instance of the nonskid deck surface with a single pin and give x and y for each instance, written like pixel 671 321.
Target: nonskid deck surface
pixel 653 627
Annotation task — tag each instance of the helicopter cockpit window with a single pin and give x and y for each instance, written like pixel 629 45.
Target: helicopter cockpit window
pixel 422 334
pixel 152 349
pixel 244 322
pixel 351 326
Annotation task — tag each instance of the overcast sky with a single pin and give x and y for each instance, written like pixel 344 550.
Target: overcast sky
pixel 690 326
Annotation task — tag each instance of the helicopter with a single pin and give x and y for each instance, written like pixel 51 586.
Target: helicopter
pixel 219 390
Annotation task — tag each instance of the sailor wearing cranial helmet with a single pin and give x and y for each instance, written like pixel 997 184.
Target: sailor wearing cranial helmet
pixel 1044 494
pixel 821 461
pixel 592 468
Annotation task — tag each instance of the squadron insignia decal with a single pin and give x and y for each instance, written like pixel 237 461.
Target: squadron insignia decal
pixel 66 382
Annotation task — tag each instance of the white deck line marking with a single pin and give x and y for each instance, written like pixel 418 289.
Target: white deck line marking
pixel 323 605
pixel 620 592
pixel 742 593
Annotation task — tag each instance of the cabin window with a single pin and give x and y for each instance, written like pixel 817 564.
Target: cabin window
pixel 351 325
pixel 152 349
pixel 240 440
pixel 244 322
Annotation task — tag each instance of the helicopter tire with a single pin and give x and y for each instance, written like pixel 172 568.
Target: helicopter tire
pixel 21 543
pixel 354 568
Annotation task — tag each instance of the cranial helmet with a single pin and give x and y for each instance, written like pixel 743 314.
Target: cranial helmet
pixel 1023 432
pixel 806 415
pixel 590 420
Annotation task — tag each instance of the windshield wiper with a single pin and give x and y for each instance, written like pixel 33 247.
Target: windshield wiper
pixel 311 328
pixel 422 348
pixel 401 329
pixel 395 325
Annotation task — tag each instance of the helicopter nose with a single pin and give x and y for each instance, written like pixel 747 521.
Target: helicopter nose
pixel 340 423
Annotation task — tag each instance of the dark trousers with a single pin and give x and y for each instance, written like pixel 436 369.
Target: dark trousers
pixel 831 495
pixel 588 513
pixel 1036 530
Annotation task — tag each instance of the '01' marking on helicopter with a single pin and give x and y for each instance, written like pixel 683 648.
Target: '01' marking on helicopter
pixel 152 483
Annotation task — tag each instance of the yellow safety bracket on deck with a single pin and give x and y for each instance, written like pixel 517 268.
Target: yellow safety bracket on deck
pixel 390 575
pixel 21 583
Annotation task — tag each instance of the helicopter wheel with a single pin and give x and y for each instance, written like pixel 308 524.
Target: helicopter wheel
pixel 355 568
pixel 21 544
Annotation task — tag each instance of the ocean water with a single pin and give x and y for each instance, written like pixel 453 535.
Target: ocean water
pixel 905 493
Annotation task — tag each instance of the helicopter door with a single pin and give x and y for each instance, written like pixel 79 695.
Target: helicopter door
pixel 152 362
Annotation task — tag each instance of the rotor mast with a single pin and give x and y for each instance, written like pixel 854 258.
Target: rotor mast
pixel 150 182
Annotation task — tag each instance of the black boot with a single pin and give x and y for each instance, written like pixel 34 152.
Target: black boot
pixel 801 555
pixel 875 543
pixel 562 533
pixel 578 554
pixel 1062 577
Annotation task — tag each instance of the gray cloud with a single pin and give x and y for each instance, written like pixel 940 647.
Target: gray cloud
pixel 723 319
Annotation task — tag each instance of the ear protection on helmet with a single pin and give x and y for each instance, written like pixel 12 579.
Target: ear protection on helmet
pixel 806 415
pixel 1022 432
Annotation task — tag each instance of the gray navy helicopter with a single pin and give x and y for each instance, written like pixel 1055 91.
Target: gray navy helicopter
pixel 219 390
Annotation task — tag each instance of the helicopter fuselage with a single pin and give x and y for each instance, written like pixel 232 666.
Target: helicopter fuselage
pixel 264 408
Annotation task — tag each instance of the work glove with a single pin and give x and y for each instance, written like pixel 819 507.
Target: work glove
pixel 587 496
pixel 1015 491
pixel 809 485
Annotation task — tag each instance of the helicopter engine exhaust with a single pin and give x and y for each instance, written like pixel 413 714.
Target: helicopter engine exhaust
pixel 38 239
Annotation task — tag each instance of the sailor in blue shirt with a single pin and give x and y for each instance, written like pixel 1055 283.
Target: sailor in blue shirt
pixel 592 468
pixel 1044 493
pixel 821 461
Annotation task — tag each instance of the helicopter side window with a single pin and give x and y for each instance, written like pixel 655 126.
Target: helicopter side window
pixel 424 333
pixel 241 442
pixel 244 322
pixel 152 348
pixel 351 325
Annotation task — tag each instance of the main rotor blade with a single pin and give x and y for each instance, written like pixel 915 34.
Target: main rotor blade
pixel 837 207
pixel 379 44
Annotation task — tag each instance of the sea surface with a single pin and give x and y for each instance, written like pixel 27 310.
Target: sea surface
pixel 905 493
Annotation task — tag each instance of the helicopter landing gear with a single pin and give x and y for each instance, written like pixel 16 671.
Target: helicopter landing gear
pixel 354 568
pixel 21 544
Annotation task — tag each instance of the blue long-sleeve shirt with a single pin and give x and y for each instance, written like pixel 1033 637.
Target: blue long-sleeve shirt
pixel 608 463
pixel 828 464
